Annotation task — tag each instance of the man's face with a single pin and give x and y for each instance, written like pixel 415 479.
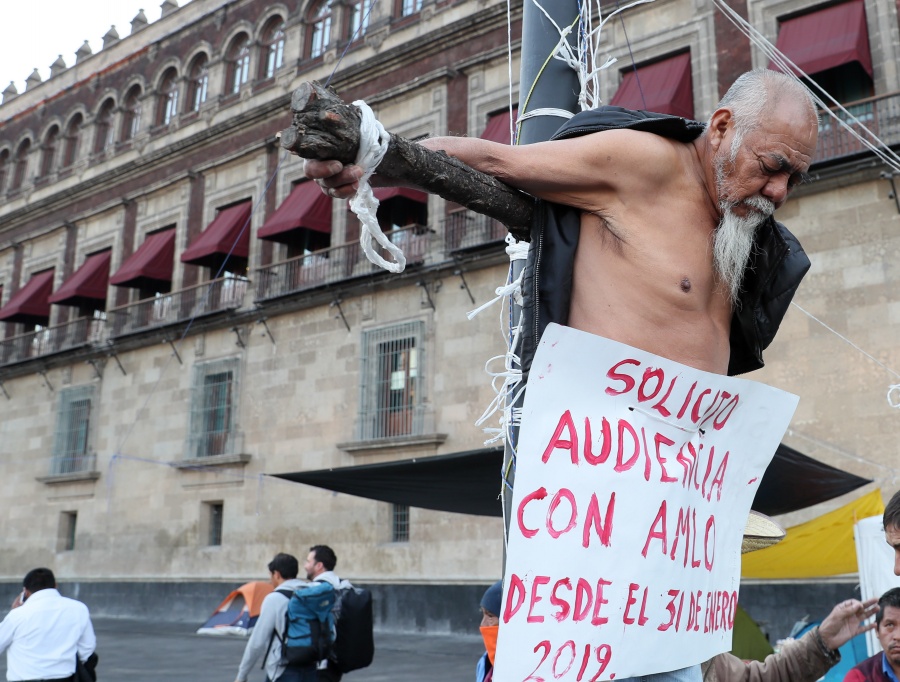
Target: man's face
pixel 488 619
pixel 892 535
pixel 762 168
pixel 889 634
pixel 312 567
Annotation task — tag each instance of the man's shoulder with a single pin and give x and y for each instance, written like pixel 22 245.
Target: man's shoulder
pixel 74 605
pixel 608 118
pixel 867 671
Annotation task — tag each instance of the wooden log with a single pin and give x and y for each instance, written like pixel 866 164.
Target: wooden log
pixel 324 127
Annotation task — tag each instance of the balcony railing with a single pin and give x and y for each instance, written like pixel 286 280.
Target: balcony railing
pixel 207 298
pixel 49 340
pixel 465 230
pixel 881 115
pixel 337 263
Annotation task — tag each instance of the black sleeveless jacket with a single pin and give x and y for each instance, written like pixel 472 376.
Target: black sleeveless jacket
pixel 777 262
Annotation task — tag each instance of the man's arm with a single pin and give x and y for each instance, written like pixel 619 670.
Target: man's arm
pixel 806 659
pixel 799 661
pixel 261 635
pixel 87 641
pixel 585 172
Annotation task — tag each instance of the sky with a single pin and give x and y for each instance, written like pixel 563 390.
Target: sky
pixel 57 27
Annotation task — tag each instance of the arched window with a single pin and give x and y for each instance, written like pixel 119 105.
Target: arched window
pixel 4 169
pixel 238 62
pixel 168 97
pixel 21 165
pixel 273 47
pixel 104 138
pixel 48 151
pixel 131 114
pixel 198 81
pixel 321 29
pixel 73 136
pixel 359 18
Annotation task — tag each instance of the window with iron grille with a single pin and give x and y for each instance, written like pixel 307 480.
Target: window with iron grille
pixel 215 511
pixel 72 442
pixel 68 521
pixel 392 400
pixel 399 523
pixel 214 409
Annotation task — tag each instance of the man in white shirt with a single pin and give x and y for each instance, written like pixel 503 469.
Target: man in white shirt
pixel 269 629
pixel 45 631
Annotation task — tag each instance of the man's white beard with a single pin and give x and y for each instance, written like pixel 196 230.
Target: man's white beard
pixel 733 238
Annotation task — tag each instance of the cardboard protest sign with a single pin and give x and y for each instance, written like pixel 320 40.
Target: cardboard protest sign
pixel 634 479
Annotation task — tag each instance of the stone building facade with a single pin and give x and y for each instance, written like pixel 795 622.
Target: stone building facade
pixel 182 316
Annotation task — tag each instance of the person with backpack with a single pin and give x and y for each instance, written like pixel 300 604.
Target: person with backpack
pixel 352 645
pixel 267 635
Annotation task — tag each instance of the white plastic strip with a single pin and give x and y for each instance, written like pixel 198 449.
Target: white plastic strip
pixel 373 144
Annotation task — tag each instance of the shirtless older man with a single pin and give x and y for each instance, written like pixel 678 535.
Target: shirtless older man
pixel 666 226
pixel 671 219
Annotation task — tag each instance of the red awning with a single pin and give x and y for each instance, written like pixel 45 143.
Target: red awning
pixel 30 304
pixel 827 38
pixel 385 193
pixel 88 285
pixel 306 207
pixel 228 233
pixel 497 128
pixel 152 262
pixel 664 87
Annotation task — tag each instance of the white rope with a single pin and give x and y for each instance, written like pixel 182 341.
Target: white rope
pixel 561 113
pixel 893 389
pixel 505 383
pixel 373 145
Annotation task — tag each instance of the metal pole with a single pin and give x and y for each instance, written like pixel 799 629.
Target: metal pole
pixel 543 83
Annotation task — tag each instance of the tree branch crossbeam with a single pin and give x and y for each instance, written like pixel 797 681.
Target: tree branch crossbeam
pixel 324 127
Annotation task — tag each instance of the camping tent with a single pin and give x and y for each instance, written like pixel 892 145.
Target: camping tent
pixel 747 641
pixel 818 548
pixel 237 613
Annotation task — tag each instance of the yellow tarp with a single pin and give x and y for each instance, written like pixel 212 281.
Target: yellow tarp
pixel 817 548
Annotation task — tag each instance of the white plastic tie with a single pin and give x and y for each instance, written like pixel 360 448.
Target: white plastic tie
pixel 373 145
pixel 547 111
pixel 893 396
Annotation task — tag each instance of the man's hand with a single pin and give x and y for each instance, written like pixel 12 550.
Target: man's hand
pixel 19 600
pixel 846 621
pixel 335 179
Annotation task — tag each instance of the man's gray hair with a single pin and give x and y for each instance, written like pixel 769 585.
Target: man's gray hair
pixel 749 95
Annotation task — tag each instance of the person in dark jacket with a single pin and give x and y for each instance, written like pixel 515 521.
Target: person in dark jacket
pixel 885 665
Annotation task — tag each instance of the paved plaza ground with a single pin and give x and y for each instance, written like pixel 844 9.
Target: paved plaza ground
pixel 133 651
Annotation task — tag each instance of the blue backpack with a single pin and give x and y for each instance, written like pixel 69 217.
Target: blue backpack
pixel 309 625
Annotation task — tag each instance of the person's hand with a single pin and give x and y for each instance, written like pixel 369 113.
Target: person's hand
pixel 846 621
pixel 335 179
pixel 18 601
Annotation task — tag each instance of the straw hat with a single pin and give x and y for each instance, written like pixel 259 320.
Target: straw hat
pixel 760 532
